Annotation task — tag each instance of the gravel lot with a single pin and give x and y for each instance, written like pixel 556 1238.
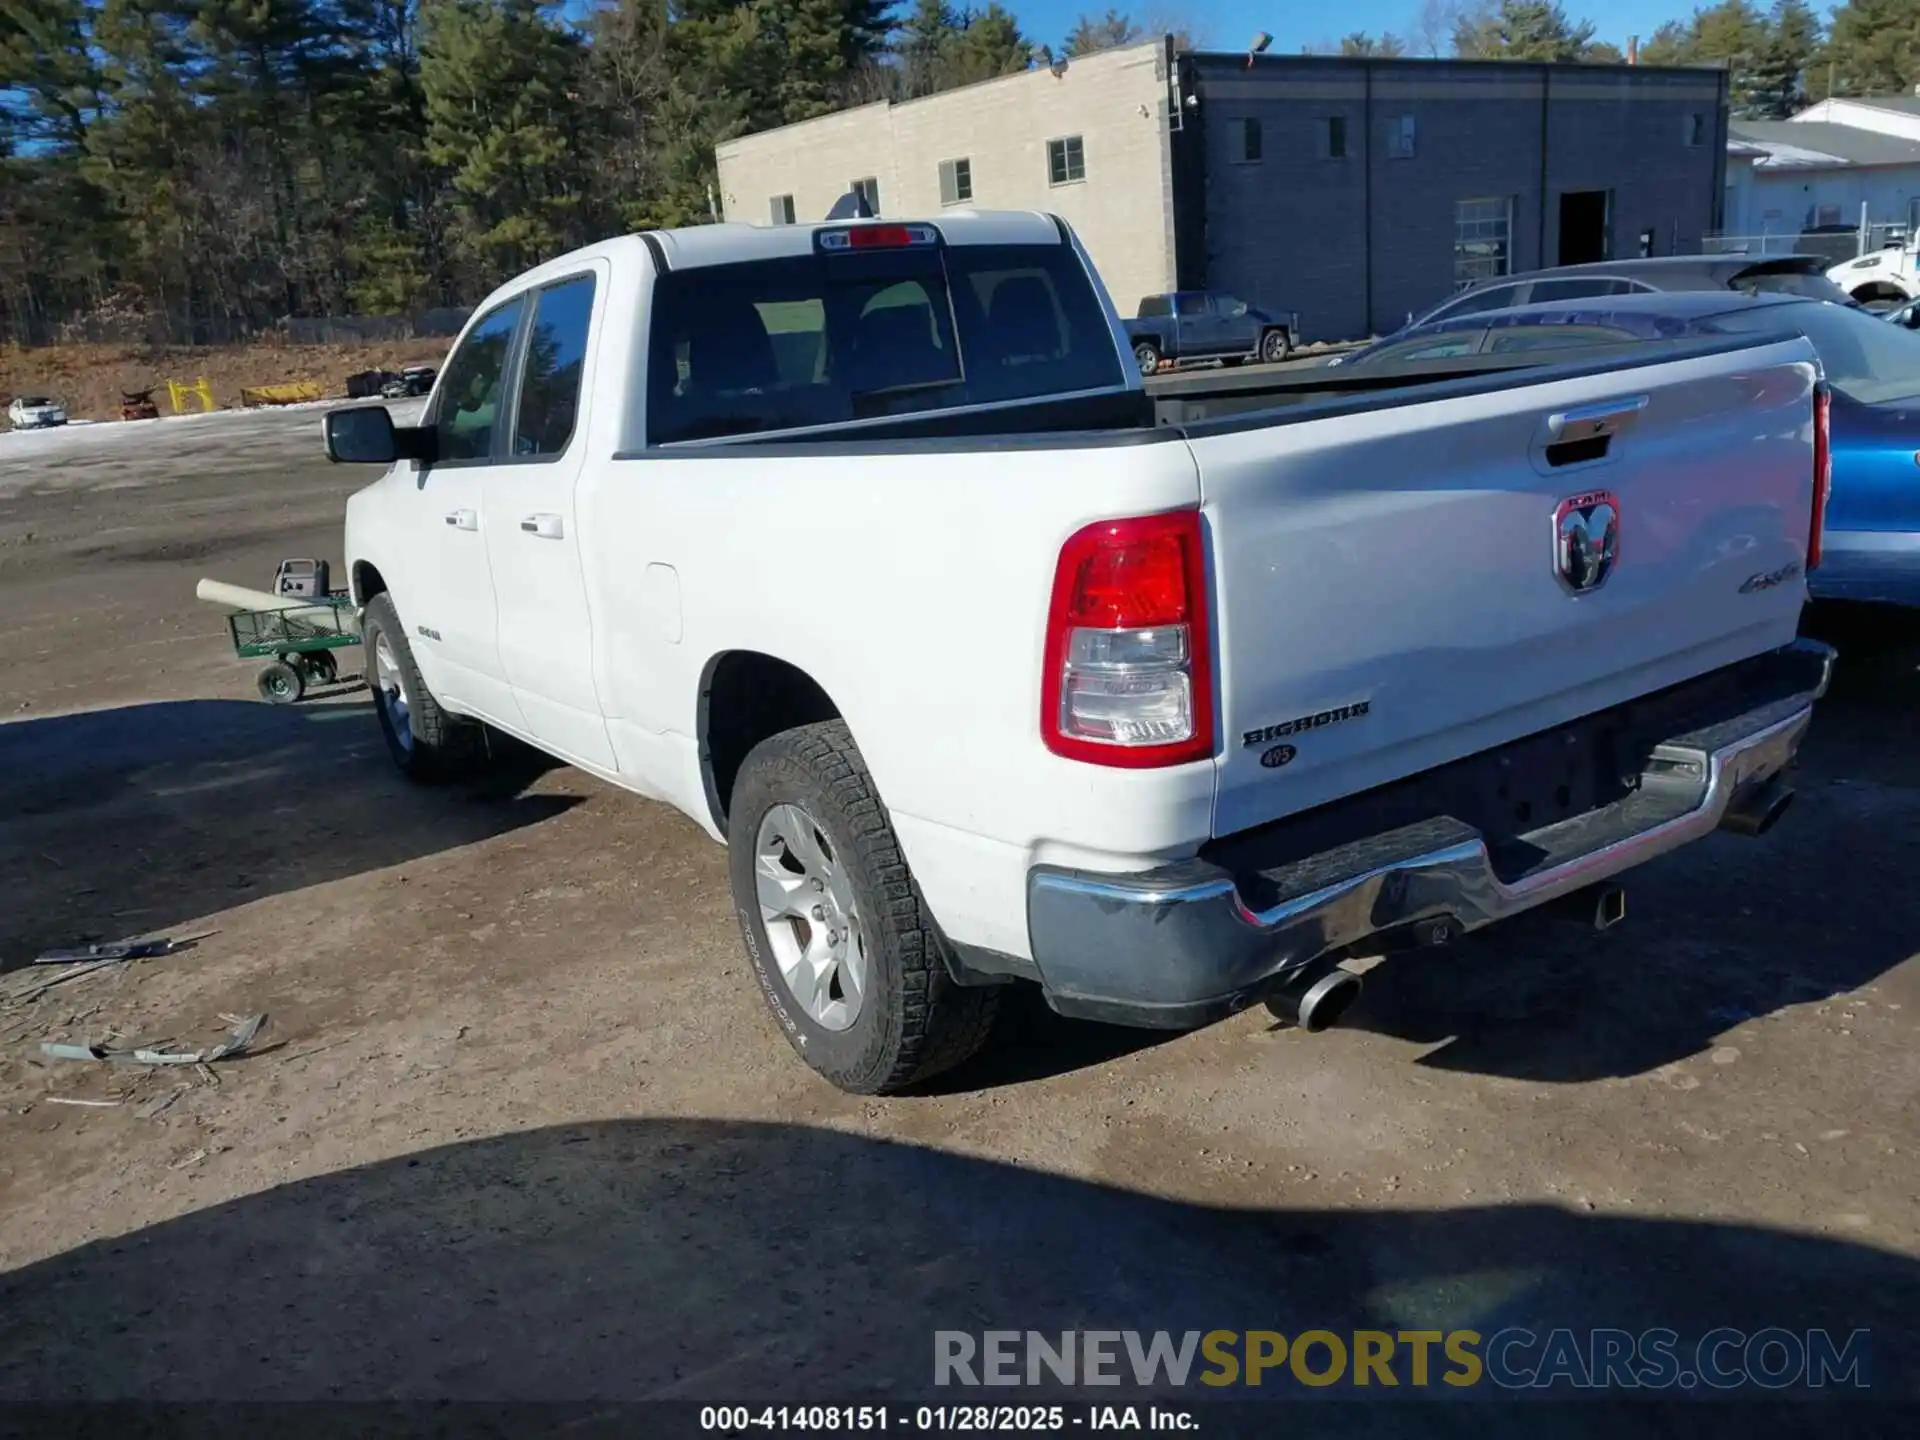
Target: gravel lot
pixel 518 1127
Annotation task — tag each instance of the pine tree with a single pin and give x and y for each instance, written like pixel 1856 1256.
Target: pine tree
pixel 496 77
pixel 1522 30
pixel 1874 47
pixel 1786 56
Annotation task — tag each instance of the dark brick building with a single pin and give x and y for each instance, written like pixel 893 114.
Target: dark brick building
pixel 1355 191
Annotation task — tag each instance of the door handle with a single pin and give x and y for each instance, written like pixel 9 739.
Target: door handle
pixel 463 519
pixel 544 527
pixel 1605 418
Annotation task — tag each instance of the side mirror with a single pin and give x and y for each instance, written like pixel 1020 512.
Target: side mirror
pixel 360 435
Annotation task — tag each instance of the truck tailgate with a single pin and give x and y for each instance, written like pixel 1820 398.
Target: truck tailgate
pixel 1407 584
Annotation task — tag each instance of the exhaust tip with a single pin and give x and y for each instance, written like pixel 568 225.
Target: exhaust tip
pixel 1754 815
pixel 1609 907
pixel 1324 1002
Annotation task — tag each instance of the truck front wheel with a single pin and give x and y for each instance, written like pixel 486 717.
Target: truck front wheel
pixel 845 954
pixel 425 741
pixel 1147 355
pixel 1275 346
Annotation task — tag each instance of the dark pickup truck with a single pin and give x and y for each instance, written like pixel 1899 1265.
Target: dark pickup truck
pixel 1206 325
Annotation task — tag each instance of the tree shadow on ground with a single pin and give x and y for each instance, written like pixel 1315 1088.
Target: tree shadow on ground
pixel 137 819
pixel 723 1261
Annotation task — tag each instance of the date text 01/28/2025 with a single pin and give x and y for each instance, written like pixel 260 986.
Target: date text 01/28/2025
pixel 979 1419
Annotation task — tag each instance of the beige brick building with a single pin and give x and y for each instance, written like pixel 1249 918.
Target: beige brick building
pixel 1090 144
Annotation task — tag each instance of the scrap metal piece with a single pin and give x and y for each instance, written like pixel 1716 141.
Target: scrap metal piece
pixel 89 1104
pixel 118 950
pixel 238 1038
pixel 54 1050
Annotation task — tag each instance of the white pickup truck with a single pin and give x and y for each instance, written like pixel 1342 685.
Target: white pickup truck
pixel 863 545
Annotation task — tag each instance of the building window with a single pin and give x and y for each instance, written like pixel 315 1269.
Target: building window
pixel 956 182
pixel 1696 130
pixel 1247 146
pixel 1400 137
pixel 1066 161
pixel 1333 138
pixel 1482 239
pixel 869 191
pixel 782 208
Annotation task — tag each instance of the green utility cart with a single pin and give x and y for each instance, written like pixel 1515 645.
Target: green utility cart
pixel 300 642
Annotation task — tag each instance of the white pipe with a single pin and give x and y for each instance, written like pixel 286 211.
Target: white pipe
pixel 241 598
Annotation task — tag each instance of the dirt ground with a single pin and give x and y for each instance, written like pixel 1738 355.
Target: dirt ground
pixel 88 379
pixel 518 1127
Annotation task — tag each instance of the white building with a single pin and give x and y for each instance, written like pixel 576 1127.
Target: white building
pixel 1819 169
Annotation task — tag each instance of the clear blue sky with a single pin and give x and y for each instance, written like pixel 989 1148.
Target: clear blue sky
pixel 1229 24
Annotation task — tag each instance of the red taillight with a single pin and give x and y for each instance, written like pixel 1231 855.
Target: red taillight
pixel 1822 470
pixel 1129 666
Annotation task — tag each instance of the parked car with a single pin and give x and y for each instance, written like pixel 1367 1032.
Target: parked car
pixel 35 412
pixel 1206 325
pixel 411 381
pixel 1871 546
pixel 863 544
pixel 1773 274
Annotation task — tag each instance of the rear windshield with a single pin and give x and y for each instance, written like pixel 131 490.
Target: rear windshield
pixel 825 339
pixel 1789 282
pixel 1865 358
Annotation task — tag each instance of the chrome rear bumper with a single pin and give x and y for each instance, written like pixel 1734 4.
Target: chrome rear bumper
pixel 1186 943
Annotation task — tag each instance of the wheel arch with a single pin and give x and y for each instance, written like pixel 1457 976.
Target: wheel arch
pixel 365 581
pixel 746 696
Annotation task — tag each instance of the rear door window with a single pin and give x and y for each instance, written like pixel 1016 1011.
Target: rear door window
pixel 1494 297
pixel 825 339
pixel 556 360
pixel 1585 288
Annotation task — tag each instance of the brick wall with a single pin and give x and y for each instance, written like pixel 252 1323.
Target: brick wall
pixel 1356 242
pixel 1115 101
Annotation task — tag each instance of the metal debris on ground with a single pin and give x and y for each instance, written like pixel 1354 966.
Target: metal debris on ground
pixel 245 1028
pixel 118 950
pixel 89 1104
pixel 54 1050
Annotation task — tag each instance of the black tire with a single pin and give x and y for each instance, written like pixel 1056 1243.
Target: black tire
pixel 914 1020
pixel 322 668
pixel 1275 346
pixel 1146 355
pixel 281 684
pixel 436 745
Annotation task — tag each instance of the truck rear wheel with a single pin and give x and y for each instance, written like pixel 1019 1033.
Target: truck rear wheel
pixel 1147 355
pixel 425 741
pixel 844 951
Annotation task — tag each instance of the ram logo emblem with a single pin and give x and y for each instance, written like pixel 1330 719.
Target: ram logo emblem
pixel 1586 540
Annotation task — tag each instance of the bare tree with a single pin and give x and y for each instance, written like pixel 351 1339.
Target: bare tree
pixel 1434 24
